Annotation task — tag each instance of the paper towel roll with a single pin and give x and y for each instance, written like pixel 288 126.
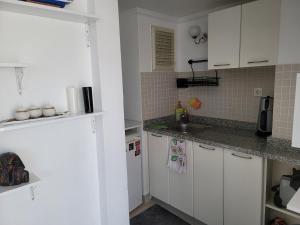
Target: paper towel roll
pixel 72 96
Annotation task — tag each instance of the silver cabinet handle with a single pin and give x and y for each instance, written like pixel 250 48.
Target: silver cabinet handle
pixel 207 148
pixel 156 135
pixel 241 156
pixel 225 64
pixel 258 61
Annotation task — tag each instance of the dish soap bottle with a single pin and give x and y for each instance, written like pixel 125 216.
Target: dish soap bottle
pixel 179 110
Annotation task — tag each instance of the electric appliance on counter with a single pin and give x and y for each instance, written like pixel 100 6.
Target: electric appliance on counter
pixel 265 117
pixel 134 170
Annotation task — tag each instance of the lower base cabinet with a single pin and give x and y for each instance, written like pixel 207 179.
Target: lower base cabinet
pixel 181 185
pixel 158 169
pixel 243 189
pixel 208 184
pixel 220 187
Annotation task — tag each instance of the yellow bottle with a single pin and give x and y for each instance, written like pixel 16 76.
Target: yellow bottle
pixel 179 110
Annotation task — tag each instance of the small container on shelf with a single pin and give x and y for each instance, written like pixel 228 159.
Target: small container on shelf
pixel 88 99
pixel 35 112
pixel 22 114
pixel 72 99
pixel 54 3
pixel 49 111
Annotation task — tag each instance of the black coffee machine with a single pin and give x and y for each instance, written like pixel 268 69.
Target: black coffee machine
pixel 265 117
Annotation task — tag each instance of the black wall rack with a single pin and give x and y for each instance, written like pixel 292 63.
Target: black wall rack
pixel 198 81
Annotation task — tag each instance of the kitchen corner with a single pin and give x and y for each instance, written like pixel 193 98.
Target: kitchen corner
pixel 218 104
pixel 221 140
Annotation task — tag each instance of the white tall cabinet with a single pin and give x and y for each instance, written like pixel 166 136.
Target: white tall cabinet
pixel 260 33
pixel 243 189
pixel 224 30
pixel 208 184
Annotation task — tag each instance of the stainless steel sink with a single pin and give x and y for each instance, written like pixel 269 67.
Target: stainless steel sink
pixel 188 128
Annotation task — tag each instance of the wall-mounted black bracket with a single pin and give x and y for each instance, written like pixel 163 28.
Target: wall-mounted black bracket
pixel 198 81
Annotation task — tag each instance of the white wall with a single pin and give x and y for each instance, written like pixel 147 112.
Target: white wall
pixel 57 55
pixel 187 49
pixel 63 155
pixel 130 65
pixel 145 20
pixel 136 46
pixel 112 161
pixel 289 48
pixel 83 180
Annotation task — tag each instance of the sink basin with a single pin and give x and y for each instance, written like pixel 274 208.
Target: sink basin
pixel 188 128
pixel 180 127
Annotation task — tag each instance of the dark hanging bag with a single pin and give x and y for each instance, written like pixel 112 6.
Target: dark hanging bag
pixel 12 170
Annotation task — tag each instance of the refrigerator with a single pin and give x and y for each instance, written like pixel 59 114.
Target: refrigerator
pixel 134 170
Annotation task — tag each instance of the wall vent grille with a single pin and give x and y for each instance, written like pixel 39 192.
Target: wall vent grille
pixel 163 40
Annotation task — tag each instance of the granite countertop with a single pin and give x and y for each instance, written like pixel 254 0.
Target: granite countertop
pixel 227 134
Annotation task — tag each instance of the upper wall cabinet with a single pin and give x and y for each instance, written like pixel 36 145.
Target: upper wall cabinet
pixel 260 33
pixel 224 29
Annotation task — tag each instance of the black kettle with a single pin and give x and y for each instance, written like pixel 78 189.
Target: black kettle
pixel 265 117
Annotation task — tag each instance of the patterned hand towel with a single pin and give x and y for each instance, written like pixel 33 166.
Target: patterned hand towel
pixel 177 156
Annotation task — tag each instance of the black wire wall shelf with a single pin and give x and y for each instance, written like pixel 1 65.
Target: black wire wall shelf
pixel 198 81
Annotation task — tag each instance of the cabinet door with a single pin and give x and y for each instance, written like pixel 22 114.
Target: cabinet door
pixel 181 185
pixel 158 168
pixel 296 121
pixel 260 33
pixel 208 184
pixel 243 188
pixel 134 177
pixel 224 31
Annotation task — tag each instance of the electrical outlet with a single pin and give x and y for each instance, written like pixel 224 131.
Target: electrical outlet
pixel 257 92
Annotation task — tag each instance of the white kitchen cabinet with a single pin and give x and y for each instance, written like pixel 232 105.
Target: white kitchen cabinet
pixel 181 185
pixel 224 30
pixel 208 184
pixel 260 33
pixel 243 188
pixel 158 168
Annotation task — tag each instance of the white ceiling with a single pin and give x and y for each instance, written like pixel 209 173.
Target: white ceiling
pixel 178 8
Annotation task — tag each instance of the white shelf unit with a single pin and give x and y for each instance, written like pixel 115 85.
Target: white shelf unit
pixel 33 180
pixel 103 50
pixel 12 65
pixel 46 11
pixel 272 173
pixel 49 121
pixel 131 124
pixel 272 206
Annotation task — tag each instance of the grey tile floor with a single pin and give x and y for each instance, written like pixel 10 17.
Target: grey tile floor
pixel 156 215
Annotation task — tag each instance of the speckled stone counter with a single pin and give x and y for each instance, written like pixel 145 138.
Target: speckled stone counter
pixel 227 134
